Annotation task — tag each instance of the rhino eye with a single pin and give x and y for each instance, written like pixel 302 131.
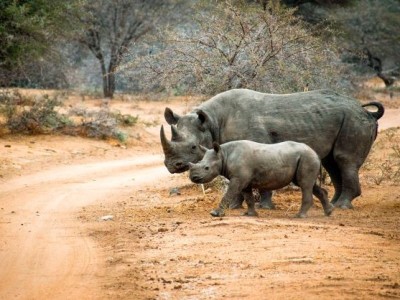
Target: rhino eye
pixel 193 147
pixel 206 168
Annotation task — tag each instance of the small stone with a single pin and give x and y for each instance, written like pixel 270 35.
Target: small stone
pixel 177 287
pixel 107 218
pixel 174 191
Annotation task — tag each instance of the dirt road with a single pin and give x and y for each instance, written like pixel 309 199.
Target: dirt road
pixel 45 253
pixel 390 119
pixel 159 246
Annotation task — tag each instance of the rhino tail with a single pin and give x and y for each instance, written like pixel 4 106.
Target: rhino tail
pixel 376 114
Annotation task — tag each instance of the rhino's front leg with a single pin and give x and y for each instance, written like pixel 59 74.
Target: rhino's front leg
pixel 237 203
pixel 233 192
pixel 251 211
pixel 266 200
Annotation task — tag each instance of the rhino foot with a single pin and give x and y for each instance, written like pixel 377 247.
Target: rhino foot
pixel 217 213
pixel 329 210
pixel 301 215
pixel 250 213
pixel 344 204
pixel 265 205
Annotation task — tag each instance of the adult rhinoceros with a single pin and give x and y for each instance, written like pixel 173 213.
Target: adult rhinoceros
pixel 337 127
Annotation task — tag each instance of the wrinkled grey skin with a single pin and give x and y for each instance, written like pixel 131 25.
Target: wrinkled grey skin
pixel 336 127
pixel 250 165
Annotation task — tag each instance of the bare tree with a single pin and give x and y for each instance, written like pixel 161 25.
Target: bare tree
pixel 371 36
pixel 243 47
pixel 111 27
pixel 296 3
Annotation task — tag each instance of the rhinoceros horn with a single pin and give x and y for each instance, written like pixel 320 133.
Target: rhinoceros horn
pixel 175 134
pixel 166 145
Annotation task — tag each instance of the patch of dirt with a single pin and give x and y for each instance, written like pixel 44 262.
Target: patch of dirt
pixel 158 244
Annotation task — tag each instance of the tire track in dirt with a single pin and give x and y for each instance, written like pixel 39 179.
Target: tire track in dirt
pixel 45 253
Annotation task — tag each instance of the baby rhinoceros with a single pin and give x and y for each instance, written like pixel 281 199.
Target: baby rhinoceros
pixel 250 165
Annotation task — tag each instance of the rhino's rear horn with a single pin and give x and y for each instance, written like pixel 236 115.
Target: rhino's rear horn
pixel 166 145
pixel 175 134
pixel 203 149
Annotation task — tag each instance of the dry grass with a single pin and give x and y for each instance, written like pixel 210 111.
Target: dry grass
pixel 35 113
pixel 383 163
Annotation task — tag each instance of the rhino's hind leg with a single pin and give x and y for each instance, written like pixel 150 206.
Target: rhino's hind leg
pixel 350 187
pixel 334 173
pixel 306 202
pixel 322 195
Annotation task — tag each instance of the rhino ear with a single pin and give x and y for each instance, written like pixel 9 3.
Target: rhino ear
pixel 171 117
pixel 203 118
pixel 216 147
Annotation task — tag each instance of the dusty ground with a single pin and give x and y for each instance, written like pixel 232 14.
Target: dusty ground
pixel 54 190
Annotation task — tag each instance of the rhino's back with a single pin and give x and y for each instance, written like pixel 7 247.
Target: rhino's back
pixel 242 103
pixel 245 151
pixel 314 118
pixel 267 165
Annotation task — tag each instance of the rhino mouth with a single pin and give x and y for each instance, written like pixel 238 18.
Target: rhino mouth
pixel 182 169
pixel 179 169
pixel 197 179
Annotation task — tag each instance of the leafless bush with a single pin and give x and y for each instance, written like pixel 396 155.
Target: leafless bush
pixel 243 47
pixel 383 163
pixel 31 115
pixel 101 124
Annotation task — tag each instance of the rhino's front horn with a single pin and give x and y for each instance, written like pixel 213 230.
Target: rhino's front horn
pixel 166 145
pixel 175 134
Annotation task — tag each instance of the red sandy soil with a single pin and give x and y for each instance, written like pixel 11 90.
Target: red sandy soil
pixel 54 190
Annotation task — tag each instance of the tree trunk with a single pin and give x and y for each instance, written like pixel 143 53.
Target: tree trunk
pixel 105 80
pixel 109 88
pixel 108 80
pixel 112 67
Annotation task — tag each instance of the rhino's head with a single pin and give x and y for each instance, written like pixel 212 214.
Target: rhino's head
pixel 208 168
pixel 188 133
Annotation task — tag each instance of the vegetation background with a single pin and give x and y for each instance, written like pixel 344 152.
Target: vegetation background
pixel 198 46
